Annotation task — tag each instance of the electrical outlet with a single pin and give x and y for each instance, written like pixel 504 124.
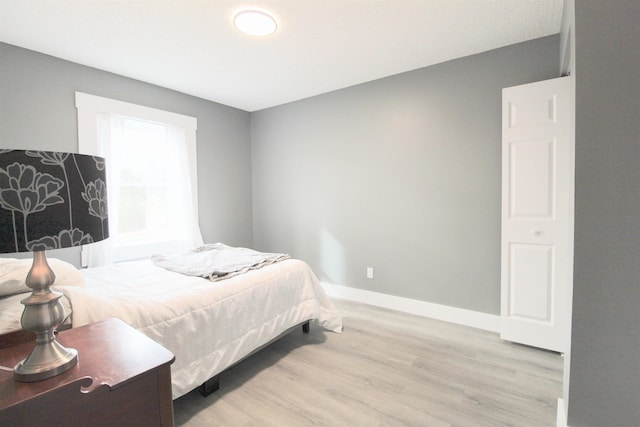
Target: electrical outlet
pixel 369 272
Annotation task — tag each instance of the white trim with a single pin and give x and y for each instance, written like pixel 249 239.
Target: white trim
pixel 89 106
pixel 561 417
pixel 460 316
pixel 99 104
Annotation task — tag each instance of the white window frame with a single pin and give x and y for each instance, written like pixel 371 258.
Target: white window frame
pixel 89 106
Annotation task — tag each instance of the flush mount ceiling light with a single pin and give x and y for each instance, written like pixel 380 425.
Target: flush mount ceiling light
pixel 255 23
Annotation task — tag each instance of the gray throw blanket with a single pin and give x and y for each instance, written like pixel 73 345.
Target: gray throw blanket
pixel 216 261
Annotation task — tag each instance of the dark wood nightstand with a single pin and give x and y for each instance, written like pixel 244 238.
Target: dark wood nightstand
pixel 122 378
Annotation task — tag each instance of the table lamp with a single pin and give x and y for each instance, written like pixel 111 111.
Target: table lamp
pixel 48 200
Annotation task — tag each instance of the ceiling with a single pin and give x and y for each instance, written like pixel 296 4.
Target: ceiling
pixel 321 45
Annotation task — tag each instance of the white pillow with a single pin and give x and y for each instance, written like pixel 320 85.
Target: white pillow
pixel 13 273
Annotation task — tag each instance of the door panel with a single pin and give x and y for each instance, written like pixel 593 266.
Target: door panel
pixel 531 282
pixel 537 213
pixel 531 179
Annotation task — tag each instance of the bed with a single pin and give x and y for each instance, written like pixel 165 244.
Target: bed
pixel 209 326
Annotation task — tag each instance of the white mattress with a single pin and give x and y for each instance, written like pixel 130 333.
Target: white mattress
pixel 207 325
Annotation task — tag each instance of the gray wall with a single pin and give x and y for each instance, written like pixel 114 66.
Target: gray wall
pixel 37 111
pixel 604 387
pixel 402 174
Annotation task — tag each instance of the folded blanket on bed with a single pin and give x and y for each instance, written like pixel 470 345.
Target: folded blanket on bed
pixel 216 261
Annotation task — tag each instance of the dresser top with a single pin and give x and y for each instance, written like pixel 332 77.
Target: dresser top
pixel 110 353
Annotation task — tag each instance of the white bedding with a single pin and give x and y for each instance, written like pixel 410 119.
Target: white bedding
pixel 216 261
pixel 207 325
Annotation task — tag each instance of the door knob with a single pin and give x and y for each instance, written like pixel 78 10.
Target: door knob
pixel 537 233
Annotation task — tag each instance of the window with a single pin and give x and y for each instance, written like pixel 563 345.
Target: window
pixel 151 177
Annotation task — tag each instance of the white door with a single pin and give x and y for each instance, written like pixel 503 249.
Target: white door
pixel 537 213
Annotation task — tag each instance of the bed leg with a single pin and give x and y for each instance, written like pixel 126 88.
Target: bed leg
pixel 209 386
pixel 305 327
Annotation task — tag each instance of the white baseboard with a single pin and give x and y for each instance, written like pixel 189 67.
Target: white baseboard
pixel 460 316
pixel 561 417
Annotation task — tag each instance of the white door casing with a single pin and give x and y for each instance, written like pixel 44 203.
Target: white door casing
pixel 538 159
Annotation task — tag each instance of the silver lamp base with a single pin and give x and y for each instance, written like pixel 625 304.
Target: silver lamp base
pixel 45 361
pixel 42 314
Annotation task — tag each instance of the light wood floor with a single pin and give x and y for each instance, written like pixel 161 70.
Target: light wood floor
pixel 385 369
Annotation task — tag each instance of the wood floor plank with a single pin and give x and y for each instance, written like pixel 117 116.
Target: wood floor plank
pixel 386 369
